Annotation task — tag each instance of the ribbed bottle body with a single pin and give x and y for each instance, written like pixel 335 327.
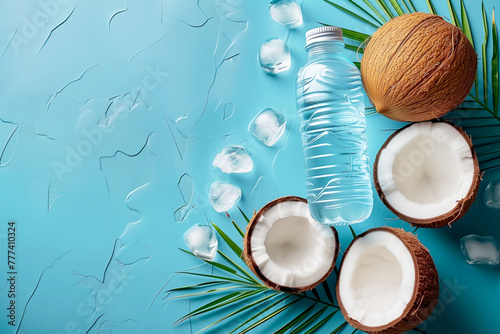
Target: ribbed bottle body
pixel 333 128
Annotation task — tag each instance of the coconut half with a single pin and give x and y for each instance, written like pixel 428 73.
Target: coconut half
pixel 388 282
pixel 287 249
pixel 427 173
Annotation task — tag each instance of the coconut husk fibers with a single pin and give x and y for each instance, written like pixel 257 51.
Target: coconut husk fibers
pixel 425 293
pixel 418 67
pixel 247 250
pixel 449 217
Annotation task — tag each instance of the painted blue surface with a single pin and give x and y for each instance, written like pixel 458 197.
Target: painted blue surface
pixel 97 236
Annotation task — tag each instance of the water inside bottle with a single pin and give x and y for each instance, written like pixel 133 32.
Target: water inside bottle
pixel 331 110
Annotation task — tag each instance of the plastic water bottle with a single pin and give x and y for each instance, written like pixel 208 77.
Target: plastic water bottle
pixel 330 103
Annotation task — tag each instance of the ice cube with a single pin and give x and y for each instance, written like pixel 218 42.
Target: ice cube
pixel 223 196
pixel 233 159
pixel 491 194
pixel 202 241
pixel 274 56
pixel 268 126
pixel 480 250
pixel 286 12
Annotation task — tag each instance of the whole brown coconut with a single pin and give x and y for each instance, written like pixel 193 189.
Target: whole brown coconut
pixel 418 67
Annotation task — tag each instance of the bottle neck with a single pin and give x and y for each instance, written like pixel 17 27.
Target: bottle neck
pixel 322 48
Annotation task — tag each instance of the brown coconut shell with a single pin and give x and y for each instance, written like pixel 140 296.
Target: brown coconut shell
pixel 418 67
pixel 425 293
pixel 445 219
pixel 248 257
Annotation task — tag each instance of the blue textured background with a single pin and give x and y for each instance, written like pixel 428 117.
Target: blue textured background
pixel 97 234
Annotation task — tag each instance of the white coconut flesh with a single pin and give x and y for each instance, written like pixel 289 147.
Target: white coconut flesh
pixel 377 279
pixel 290 248
pixel 425 170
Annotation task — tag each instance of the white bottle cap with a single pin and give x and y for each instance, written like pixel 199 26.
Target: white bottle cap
pixel 324 34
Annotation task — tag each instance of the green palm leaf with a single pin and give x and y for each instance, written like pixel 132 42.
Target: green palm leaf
pixel 385 8
pixel 338 329
pixel 227 279
pixel 354 35
pixel 467 31
pixel 268 317
pixel 397 7
pixel 413 10
pixel 375 11
pixel 345 10
pixel 483 55
pixel 465 20
pixel 238 229
pixel 207 306
pixel 406 7
pixel 328 292
pixel 379 22
pixel 264 310
pixel 494 65
pixel 295 321
pixel 244 215
pixel 220 302
pixel 255 303
pixel 238 267
pixel 354 48
pixel 488 67
pixel 236 249
pixel 432 10
pixel 215 264
pixel 212 291
pixel 315 293
pixel 352 232
pixel 197 286
pixel 299 329
pixel 453 14
pixel 321 323
pixel 240 287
